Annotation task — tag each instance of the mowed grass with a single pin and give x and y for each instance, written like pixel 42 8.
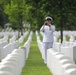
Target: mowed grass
pixel 9 37
pixel 67 38
pixel 25 39
pixel 41 38
pixel 75 37
pixel 35 64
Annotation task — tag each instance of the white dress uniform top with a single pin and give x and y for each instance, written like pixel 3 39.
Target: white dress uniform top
pixel 48 33
pixel 48 38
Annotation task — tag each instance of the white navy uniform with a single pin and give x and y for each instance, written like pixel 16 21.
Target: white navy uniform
pixel 48 37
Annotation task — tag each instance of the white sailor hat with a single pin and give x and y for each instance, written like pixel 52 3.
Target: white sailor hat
pixel 48 18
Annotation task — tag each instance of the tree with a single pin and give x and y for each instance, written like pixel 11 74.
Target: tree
pixel 35 11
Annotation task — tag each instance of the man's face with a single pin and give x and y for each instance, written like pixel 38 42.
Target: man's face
pixel 49 21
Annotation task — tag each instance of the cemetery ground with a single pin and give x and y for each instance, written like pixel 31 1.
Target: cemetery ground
pixel 25 39
pixel 35 64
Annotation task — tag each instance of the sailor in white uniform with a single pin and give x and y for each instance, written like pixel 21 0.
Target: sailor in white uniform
pixel 47 35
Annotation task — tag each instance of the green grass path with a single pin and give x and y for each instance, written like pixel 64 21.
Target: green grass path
pixel 35 64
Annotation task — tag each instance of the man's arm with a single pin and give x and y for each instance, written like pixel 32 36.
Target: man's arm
pixel 42 29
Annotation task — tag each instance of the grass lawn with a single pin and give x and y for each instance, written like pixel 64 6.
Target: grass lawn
pixel 58 38
pixel 25 39
pixel 67 38
pixel 75 37
pixel 41 38
pixel 9 37
pixel 35 64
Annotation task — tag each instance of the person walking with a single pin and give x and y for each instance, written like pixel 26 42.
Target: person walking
pixel 48 38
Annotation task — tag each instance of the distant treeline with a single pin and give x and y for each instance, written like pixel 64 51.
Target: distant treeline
pixel 18 12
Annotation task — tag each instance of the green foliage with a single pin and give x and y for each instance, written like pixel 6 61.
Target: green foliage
pixel 13 11
pixel 35 11
pixel 3 16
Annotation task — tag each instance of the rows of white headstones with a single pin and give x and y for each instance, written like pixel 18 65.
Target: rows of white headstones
pixel 67 47
pixel 12 56
pixel 61 58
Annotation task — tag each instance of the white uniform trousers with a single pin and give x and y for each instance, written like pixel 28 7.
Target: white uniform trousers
pixel 46 45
